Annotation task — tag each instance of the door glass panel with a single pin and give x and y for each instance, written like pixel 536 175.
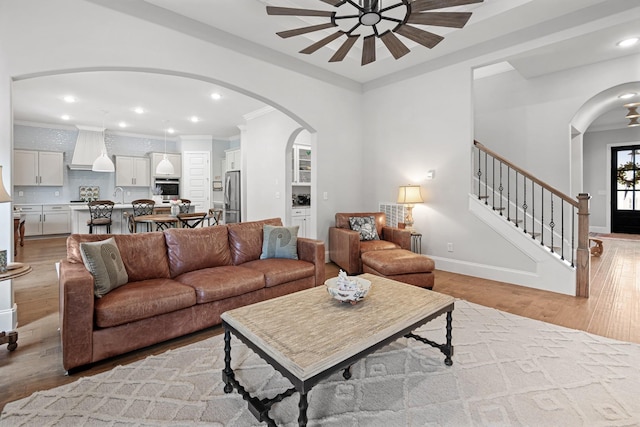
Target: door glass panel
pixel 625 201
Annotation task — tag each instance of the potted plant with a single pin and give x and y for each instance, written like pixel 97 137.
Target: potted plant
pixel 156 194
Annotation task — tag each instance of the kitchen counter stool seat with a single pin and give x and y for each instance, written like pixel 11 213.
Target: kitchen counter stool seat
pixel 100 212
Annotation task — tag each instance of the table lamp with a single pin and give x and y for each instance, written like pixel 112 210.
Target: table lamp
pixel 4 197
pixel 409 195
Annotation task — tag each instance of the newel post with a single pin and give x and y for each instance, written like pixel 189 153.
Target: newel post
pixel 583 254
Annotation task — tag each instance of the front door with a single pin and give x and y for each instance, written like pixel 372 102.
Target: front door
pixel 625 189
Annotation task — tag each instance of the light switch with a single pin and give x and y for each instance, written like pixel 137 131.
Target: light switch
pixel 57 193
pixel 277 194
pixel 325 195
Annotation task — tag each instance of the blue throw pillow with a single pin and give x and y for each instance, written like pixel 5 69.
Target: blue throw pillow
pixel 366 226
pixel 280 242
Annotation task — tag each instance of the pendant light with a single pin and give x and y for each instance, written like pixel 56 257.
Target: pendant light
pixel 103 163
pixel 165 167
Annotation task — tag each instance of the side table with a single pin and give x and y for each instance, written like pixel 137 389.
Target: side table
pixel 14 269
pixel 416 242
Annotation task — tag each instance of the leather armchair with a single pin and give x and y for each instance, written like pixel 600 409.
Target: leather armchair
pixel 345 246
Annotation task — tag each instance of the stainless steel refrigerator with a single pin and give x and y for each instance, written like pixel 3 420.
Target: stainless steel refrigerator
pixel 232 197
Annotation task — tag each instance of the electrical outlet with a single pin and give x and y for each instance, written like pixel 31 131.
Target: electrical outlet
pixel 325 195
pixel 57 193
pixel 449 247
pixel 277 194
pixel 20 193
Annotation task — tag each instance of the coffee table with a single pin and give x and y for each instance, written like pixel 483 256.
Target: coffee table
pixel 307 335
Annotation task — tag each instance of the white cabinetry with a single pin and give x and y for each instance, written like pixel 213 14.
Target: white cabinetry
pixel 302 218
pixel 175 159
pixel 46 219
pixel 232 160
pixel 301 165
pixel 132 171
pixel 38 168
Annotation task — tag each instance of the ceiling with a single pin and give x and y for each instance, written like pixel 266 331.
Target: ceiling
pixel 558 35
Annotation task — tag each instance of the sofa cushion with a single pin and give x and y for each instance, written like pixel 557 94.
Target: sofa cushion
pixel 141 300
pixel 192 249
pixel 218 283
pixel 104 262
pixel 279 242
pixel 144 254
pixel 366 226
pixel 279 270
pixel 342 219
pixel 376 245
pixel 245 239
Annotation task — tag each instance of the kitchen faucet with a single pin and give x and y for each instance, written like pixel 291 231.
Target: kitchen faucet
pixel 116 191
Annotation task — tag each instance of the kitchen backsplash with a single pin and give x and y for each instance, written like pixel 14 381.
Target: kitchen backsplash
pixel 48 139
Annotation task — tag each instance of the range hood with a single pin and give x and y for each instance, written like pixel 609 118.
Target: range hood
pixel 89 146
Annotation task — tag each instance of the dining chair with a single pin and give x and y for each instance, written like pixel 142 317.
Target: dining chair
pixel 140 207
pixel 214 216
pixel 100 212
pixel 185 205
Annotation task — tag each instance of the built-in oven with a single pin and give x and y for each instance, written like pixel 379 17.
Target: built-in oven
pixel 169 188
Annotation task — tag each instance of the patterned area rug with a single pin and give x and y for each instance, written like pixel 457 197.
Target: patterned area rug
pixel 507 371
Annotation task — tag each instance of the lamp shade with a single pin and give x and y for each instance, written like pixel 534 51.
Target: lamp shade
pixel 165 167
pixel 103 164
pixel 409 194
pixel 4 196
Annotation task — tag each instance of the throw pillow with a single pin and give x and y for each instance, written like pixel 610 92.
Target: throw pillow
pixel 366 226
pixel 279 242
pixel 104 262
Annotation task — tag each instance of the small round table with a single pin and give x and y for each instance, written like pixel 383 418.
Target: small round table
pixel 14 269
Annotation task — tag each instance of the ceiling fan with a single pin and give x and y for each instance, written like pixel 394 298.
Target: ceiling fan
pixel 371 20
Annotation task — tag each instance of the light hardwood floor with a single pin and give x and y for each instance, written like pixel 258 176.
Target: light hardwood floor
pixel 613 310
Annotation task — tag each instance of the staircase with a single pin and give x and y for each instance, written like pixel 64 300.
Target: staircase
pixel 539 219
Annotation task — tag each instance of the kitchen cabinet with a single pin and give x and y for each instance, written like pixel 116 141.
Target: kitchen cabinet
pixel 232 160
pixel 45 219
pixel 132 171
pixel 301 165
pixel 302 218
pixel 174 158
pixel 41 168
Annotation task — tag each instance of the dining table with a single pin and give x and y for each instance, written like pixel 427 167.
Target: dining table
pixel 161 221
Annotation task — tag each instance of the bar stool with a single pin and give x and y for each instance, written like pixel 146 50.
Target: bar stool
pixel 140 207
pixel 100 212
pixel 185 205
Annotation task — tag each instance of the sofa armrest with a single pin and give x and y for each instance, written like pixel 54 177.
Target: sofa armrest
pixel 344 249
pixel 400 237
pixel 312 250
pixel 76 314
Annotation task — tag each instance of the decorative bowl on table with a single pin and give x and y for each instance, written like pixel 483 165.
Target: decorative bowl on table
pixel 347 289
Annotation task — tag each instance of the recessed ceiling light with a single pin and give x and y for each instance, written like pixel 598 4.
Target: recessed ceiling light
pixel 139 110
pixel 65 117
pixel 69 99
pixel 216 96
pixel 627 95
pixel 195 119
pixel 628 42
pixel 171 130
pixel 122 124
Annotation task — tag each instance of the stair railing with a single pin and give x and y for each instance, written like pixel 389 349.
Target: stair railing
pixel 559 222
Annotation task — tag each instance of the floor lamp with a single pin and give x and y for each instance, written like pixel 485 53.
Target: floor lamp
pixel 409 195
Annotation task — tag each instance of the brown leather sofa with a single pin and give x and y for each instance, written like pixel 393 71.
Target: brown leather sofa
pixel 179 281
pixel 346 248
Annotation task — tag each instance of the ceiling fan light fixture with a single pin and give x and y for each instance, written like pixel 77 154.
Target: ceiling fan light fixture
pixel 370 18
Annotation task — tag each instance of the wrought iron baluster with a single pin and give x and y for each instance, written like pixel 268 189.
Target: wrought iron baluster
pixel 501 188
pixel 542 218
pixel 533 210
pixel 479 173
pixel 524 204
pixel 493 184
pixel 516 205
pixel 552 224
pixel 508 193
pixel 486 180
pixel 573 235
pixel 562 231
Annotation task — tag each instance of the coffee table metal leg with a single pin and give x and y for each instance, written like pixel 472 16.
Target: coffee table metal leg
pixel 347 373
pixel 302 407
pixel 448 347
pixel 227 374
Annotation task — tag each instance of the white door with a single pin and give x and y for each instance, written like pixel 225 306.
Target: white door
pixel 196 179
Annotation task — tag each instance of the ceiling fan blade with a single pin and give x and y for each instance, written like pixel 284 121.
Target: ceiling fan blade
pixel 440 19
pixel 422 5
pixel 273 10
pixel 320 43
pixel 342 52
pixel 395 46
pixel 305 30
pixel 369 49
pixel 425 38
pixel 332 2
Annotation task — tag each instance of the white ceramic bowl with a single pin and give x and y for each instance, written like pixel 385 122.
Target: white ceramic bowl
pixel 353 295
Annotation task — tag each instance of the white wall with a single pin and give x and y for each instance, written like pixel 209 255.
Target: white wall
pixel 426 124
